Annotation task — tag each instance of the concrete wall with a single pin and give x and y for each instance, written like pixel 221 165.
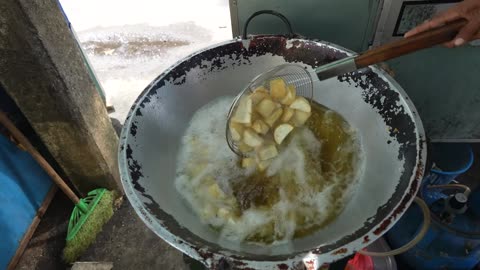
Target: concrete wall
pixel 41 68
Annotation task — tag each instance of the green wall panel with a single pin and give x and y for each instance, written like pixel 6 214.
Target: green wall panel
pixel 444 84
pixel 347 23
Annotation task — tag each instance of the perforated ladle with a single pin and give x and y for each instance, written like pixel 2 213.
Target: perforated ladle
pixel 296 75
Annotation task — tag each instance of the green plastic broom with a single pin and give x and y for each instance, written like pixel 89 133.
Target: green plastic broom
pixel 89 214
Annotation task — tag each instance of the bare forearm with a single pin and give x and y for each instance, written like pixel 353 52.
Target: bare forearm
pixel 468 9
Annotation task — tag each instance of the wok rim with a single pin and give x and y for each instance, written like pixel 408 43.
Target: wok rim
pixel 211 256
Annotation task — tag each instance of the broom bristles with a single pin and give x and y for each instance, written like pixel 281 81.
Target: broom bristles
pixel 89 230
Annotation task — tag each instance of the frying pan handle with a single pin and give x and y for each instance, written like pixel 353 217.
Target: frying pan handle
pixel 411 44
pixel 271 12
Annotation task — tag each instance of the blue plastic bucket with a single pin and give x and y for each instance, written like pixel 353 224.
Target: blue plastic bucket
pixel 450 160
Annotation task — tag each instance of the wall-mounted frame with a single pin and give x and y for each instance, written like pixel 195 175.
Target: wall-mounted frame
pixel 397 17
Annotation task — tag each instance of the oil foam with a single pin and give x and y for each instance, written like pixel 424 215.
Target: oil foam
pixel 207 168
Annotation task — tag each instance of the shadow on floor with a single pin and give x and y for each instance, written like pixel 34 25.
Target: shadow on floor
pixel 124 240
pixel 129 244
pixel 46 245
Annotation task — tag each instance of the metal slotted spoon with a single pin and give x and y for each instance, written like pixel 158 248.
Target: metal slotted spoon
pixel 294 74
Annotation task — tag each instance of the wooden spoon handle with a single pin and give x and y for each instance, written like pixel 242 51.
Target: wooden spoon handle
pixel 19 137
pixel 411 44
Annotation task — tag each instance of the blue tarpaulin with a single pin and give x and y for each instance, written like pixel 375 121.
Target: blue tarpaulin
pixel 23 187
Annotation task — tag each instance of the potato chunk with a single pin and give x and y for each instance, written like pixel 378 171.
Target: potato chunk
pixel 248 162
pixel 299 118
pixel 272 119
pixel 287 114
pixel 215 191
pixel 266 107
pixel 263 165
pixel 260 127
pixel 267 152
pixel 251 138
pixel 243 147
pixel 301 104
pixel 259 94
pixel 243 112
pixel 278 89
pixel 281 132
pixel 236 131
pixel 224 213
pixel 290 96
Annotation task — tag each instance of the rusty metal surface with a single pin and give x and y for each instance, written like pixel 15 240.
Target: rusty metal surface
pixel 392 135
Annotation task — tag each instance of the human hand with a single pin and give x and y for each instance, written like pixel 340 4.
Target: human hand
pixel 468 9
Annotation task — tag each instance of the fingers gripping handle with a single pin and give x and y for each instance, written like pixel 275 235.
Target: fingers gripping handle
pixel 414 43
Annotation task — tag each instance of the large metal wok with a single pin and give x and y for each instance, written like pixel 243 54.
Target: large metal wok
pixel 391 132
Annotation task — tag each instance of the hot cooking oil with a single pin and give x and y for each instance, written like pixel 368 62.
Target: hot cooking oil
pixel 335 160
pixel 303 189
